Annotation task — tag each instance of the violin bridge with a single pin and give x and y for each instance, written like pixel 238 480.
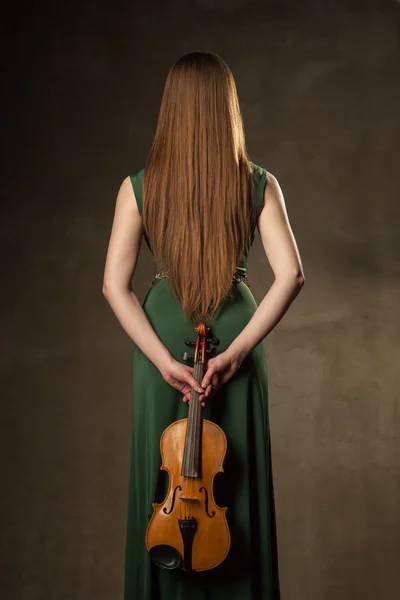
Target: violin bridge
pixel 187 499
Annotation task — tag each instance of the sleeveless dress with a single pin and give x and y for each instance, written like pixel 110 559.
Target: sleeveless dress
pixel 240 408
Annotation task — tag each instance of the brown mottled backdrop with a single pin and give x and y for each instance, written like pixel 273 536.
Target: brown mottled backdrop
pixel 319 86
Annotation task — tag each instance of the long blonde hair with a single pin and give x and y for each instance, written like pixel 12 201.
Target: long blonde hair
pixel 198 187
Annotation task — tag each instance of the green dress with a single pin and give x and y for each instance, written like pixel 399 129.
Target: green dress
pixel 240 407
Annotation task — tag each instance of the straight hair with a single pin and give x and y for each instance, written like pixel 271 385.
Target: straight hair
pixel 198 185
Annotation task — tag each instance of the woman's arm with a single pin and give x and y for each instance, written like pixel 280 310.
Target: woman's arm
pixel 283 255
pixel 122 257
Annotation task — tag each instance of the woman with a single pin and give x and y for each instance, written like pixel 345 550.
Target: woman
pixel 197 202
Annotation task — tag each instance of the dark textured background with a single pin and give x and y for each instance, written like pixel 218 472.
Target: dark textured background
pixel 319 88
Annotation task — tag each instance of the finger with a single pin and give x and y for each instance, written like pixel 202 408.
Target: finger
pixel 194 383
pixel 214 382
pixel 189 393
pixel 184 385
pixel 207 378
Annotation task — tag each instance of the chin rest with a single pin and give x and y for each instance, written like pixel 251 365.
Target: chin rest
pixel 165 557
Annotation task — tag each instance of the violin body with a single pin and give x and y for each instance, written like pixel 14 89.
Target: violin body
pixel 191 498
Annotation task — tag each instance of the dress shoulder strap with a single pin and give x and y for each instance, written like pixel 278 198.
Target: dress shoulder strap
pixel 137 182
pixel 260 176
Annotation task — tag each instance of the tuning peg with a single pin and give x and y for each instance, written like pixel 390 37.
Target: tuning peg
pixel 212 352
pixel 213 340
pixel 190 343
pixel 187 356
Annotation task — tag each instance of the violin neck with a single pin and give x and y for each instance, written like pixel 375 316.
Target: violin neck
pixel 191 463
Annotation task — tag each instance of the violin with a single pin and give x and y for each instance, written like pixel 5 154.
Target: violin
pixel 188 531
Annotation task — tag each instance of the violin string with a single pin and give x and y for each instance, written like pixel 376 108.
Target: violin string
pixel 199 434
pixel 194 420
pixel 196 435
pixel 197 404
pixel 193 439
pixel 192 446
pixel 191 412
pixel 198 407
pixel 188 505
pixel 189 438
pixel 198 447
pixel 199 441
pixel 193 435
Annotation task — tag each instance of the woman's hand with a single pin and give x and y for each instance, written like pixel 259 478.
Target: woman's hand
pixel 219 370
pixel 181 378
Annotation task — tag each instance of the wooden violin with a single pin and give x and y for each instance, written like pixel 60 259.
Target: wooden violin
pixel 188 530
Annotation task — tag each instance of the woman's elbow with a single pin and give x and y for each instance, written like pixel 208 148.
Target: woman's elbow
pixel 111 289
pixel 294 280
pixel 106 290
pixel 300 280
